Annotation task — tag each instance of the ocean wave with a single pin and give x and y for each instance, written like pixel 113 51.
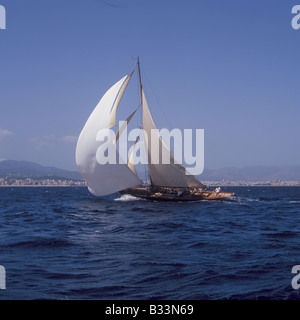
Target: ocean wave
pixel 77 246
pixel 40 243
pixel 242 200
pixel 281 234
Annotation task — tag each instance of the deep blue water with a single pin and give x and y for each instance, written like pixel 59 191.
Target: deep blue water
pixel 63 243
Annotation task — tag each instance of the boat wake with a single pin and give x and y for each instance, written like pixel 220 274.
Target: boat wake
pixel 127 197
pixel 243 200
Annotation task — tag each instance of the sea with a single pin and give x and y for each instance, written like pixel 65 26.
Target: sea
pixel 59 243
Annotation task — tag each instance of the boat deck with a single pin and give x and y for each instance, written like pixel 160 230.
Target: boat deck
pixel 175 194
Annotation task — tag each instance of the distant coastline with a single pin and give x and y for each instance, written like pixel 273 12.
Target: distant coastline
pixel 29 174
pixel 276 183
pixel 41 186
pixel 31 182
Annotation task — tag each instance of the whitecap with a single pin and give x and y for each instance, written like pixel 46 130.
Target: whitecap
pixel 127 197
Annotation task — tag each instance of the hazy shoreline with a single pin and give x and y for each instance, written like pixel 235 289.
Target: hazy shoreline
pixel 41 186
pixel 209 185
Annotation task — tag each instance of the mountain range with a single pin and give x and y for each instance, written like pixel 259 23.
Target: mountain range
pixel 22 169
pixel 255 173
pixel 25 169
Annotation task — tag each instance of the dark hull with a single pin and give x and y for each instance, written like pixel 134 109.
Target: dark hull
pixel 142 192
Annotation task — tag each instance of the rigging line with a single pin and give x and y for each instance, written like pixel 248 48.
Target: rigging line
pixel 136 141
pixel 139 122
pixel 124 125
pixel 157 101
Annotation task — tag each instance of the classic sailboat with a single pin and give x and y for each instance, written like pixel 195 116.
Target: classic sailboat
pixel 168 182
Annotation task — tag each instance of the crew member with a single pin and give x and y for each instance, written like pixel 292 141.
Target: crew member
pixel 218 189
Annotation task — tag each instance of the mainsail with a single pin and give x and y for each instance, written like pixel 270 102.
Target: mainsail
pixel 108 178
pixel 167 175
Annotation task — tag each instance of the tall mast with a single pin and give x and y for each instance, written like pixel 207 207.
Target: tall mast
pixel 141 93
pixel 140 79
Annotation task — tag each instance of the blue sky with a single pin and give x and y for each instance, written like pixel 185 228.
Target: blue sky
pixel 228 67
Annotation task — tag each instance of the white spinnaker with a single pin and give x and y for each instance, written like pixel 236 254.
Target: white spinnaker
pixel 108 178
pixel 130 162
pixel 113 114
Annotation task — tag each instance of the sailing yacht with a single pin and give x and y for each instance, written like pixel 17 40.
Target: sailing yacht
pixel 168 181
